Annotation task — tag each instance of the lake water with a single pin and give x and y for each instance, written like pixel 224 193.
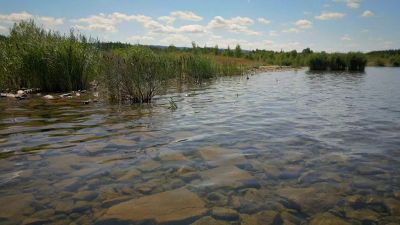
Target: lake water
pixel 289 147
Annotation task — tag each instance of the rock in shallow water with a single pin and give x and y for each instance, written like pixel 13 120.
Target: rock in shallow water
pixel 207 220
pixel 216 156
pixel 226 176
pixel 224 214
pixel 179 205
pixel 327 219
pixel 312 199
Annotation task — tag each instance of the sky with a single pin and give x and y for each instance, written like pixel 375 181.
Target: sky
pixel 322 25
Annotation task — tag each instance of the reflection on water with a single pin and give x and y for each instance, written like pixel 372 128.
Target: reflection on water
pixel 280 148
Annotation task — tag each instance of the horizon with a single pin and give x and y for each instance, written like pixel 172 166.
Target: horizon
pixel 323 25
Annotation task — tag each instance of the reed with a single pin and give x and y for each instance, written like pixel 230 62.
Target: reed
pixel 318 61
pixel 337 61
pixel 353 61
pixel 34 57
pixel 134 76
pixel 356 61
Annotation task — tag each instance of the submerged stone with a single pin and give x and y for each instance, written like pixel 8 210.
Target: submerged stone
pixel 122 142
pixel 261 218
pixel 64 206
pixel 179 205
pixel 13 206
pixel 172 156
pixel 217 156
pixel 208 220
pixel 312 199
pixel 363 214
pixel 149 165
pixel 393 206
pixel 34 221
pixel 225 176
pixel 129 175
pixel 328 219
pixel 224 213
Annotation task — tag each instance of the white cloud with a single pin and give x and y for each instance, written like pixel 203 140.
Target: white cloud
pixel 291 30
pixel 273 33
pixel 354 4
pixel 192 29
pixel 330 16
pixel 176 39
pixel 109 22
pixel 142 39
pixel 346 37
pixel 169 20
pixel 235 25
pixel 303 24
pixel 367 13
pixel 20 16
pixel 186 15
pixel 264 21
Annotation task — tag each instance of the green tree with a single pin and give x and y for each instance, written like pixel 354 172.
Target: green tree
pixel 216 50
pixel 238 51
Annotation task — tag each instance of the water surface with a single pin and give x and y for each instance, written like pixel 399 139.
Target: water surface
pixel 280 148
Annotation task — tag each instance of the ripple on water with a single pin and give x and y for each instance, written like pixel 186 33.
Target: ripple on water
pixel 287 147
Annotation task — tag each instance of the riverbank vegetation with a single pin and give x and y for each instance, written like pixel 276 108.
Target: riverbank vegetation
pixel 32 57
pixel 353 61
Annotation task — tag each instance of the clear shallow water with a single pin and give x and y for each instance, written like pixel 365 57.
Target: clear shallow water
pixel 280 148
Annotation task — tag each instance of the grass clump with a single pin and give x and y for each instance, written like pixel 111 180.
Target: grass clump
pixel 318 61
pixel 337 61
pixel 356 61
pixel 353 61
pixel 34 57
pixel 134 76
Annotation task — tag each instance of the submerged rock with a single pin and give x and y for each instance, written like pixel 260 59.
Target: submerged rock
pixel 312 199
pixel 363 214
pixel 34 221
pixel 172 156
pixel 260 218
pixel 208 220
pixel 176 206
pixel 393 206
pixel 13 206
pixel 129 175
pixel 149 165
pixel 328 219
pixel 224 213
pixel 226 176
pixel 216 156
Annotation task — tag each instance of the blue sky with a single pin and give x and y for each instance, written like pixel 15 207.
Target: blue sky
pixel 329 25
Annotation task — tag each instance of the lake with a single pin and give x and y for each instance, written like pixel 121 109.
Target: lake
pixel 285 147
